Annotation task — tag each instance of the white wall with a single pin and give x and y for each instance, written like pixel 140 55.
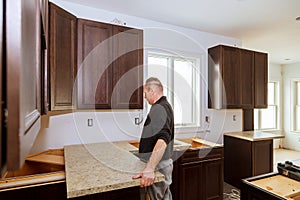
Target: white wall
pixel 73 129
pixel 290 73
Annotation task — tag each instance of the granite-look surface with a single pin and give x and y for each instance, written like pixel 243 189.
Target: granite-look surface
pixel 101 167
pixel 254 135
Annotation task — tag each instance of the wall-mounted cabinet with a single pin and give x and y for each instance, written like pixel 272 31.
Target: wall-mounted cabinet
pixel 237 78
pixel 94 65
pixel 110 66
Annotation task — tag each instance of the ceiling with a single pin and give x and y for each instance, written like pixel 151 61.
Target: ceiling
pixel 263 25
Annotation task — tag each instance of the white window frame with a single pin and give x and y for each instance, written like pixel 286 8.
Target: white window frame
pixel 294 105
pixel 197 88
pixel 277 105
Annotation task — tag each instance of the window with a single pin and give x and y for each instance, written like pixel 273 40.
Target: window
pixel 296 105
pixel 181 85
pixel 268 118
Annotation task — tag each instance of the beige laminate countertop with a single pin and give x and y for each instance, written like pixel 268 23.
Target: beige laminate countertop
pixel 101 167
pixel 254 135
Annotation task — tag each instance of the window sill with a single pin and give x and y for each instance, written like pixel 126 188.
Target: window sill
pixel 189 129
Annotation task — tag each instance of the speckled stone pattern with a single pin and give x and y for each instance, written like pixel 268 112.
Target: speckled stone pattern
pixel 101 167
pixel 254 135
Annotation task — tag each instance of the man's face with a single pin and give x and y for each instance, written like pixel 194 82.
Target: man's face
pixel 148 94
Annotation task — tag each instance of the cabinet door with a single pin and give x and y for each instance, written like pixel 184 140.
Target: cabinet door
pixel 94 64
pixel 261 80
pixel 213 179
pixel 2 97
pixel 23 67
pixel 246 78
pixel 230 74
pixel 191 185
pixel 48 191
pixel 62 56
pixel 128 68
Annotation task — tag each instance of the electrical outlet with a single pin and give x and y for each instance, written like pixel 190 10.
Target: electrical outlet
pixel 207 120
pixel 234 118
pixel 136 121
pixel 90 122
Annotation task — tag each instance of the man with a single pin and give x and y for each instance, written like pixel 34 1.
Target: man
pixel 156 143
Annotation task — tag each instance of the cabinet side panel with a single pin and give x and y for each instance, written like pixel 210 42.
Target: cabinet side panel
pixel 237 160
pixel 215 83
pixel 262 157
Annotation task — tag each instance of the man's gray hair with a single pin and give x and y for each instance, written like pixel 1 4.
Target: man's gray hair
pixel 154 81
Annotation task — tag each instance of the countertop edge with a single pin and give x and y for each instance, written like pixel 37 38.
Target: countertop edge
pixel 250 135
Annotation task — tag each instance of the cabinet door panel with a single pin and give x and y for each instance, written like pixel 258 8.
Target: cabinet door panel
pixel 23 67
pixel 94 64
pixel 2 67
pixel 261 80
pixel 213 179
pixel 128 68
pixel 62 57
pixel 246 78
pixel 231 72
pixel 190 181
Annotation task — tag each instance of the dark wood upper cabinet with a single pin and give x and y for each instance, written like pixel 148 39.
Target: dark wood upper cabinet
pixel 261 80
pixel 21 85
pixel 94 64
pixel 237 78
pixel 247 80
pixel 128 68
pixel 62 58
pixel 110 66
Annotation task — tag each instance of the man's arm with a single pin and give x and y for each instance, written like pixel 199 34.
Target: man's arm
pixel 148 176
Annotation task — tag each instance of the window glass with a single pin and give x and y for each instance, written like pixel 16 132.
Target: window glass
pixel 297 121
pixel 298 93
pixel 177 75
pixel 271 93
pixel 183 92
pixel 158 67
pixel 268 118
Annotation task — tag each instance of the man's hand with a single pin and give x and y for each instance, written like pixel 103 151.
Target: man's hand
pixel 147 177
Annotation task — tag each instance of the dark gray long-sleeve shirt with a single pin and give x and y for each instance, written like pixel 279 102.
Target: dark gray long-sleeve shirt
pixel 158 125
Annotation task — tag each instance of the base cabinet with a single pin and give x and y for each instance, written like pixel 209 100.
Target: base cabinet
pixel 245 159
pixel 198 174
